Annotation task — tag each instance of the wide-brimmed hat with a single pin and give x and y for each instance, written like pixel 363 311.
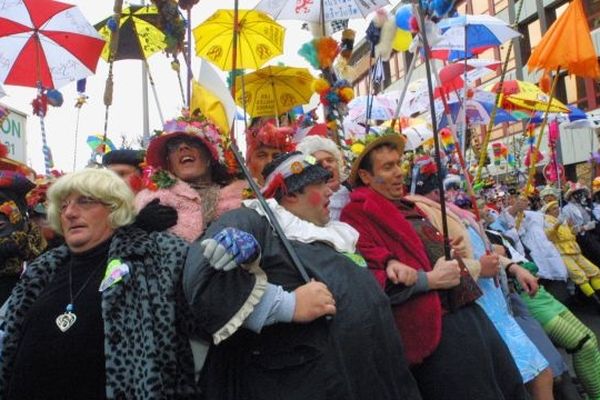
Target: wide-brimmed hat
pixel 290 172
pixel 549 206
pixel 204 132
pixel 361 148
pixel 549 191
pixel 575 187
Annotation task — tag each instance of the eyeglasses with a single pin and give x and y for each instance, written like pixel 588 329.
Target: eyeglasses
pixel 82 202
pixel 173 144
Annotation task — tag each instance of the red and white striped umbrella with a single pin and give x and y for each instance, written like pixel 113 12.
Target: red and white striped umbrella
pixel 452 75
pixel 46 42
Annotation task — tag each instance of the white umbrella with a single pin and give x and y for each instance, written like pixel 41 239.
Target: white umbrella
pixel 416 135
pixel 310 10
pixel 2 92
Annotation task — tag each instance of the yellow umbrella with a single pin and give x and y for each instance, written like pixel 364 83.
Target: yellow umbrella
pixel 260 39
pixel 139 34
pixel 521 95
pixel 273 90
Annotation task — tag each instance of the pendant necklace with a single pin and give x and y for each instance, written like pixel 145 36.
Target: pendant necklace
pixel 67 319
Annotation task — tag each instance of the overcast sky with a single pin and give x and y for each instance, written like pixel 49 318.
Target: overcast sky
pixel 125 115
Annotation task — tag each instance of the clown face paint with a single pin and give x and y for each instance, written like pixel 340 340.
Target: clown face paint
pixel 313 204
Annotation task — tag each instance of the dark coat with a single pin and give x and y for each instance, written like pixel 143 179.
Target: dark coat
pixel 146 320
pixel 355 355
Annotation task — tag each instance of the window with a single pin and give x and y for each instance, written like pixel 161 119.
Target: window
pixel 500 5
pixel 479 7
pixel 572 90
pixel 532 34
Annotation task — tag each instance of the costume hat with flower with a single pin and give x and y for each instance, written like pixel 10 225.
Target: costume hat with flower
pixel 575 187
pixel 359 149
pixel 196 127
pixel 271 136
pixel 290 172
pixel 8 164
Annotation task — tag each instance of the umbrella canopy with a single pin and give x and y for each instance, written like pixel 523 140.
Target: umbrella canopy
pixel 139 34
pixel 523 95
pixel 99 145
pixel 451 76
pixel 273 90
pixel 574 114
pixel 567 44
pixel 46 42
pixel 260 38
pixel 2 92
pixel 481 31
pixel 313 10
pixel 479 113
pixel 416 135
pixel 382 108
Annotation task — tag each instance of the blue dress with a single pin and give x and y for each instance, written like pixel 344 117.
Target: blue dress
pixel 528 358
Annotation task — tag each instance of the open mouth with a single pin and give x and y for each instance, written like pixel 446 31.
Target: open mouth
pixel 186 159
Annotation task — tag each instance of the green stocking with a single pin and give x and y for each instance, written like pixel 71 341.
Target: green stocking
pixel 567 331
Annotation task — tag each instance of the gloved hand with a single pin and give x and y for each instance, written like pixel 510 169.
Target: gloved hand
pixel 230 248
pixel 156 217
pixel 589 226
pixel 8 249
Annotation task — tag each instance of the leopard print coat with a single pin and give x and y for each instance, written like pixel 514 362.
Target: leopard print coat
pixel 147 324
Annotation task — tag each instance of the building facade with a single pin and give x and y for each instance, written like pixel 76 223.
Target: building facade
pixel 536 17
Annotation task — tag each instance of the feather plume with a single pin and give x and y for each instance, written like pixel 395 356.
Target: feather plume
pixel 386 40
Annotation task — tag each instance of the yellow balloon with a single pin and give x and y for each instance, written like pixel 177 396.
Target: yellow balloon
pixel 402 40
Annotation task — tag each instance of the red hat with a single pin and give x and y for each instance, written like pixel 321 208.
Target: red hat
pixel 270 135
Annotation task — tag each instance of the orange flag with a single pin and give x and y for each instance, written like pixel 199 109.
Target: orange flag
pixel 568 45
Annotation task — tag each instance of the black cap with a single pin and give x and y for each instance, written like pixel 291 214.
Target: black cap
pixel 124 156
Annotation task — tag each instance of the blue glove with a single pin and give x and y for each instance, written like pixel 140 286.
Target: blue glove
pixel 229 248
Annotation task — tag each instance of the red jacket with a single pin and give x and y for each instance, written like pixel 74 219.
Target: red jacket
pixel 386 234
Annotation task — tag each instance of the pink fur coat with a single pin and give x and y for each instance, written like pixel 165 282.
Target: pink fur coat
pixel 187 202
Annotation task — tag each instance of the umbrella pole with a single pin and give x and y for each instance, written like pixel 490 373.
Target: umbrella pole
pixel 189 57
pixel 248 176
pixel 533 155
pixel 436 139
pixel 407 79
pixel 498 101
pixel 154 93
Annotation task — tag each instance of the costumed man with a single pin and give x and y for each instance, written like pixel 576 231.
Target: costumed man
pixel 330 157
pixel 241 276
pixel 596 200
pixel 561 325
pixel 126 164
pixel 21 240
pixel 578 214
pixel 581 270
pixel 264 143
pixel 521 334
pixel 454 350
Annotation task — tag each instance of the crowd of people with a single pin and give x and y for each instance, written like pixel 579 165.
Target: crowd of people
pixel 159 275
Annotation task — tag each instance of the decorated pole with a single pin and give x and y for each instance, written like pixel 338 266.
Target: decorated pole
pixel 436 139
pixel 498 101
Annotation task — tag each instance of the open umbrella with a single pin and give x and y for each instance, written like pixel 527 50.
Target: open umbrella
pixel 2 92
pixel 416 135
pixel 139 33
pixel 382 108
pixel 47 43
pixel 452 75
pixel 467 35
pixel 568 45
pixel 99 145
pixel 273 90
pixel 319 10
pixel 260 39
pixel 521 95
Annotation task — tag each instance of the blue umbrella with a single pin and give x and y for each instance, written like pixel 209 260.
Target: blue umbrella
pixel 481 31
pixel 574 114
